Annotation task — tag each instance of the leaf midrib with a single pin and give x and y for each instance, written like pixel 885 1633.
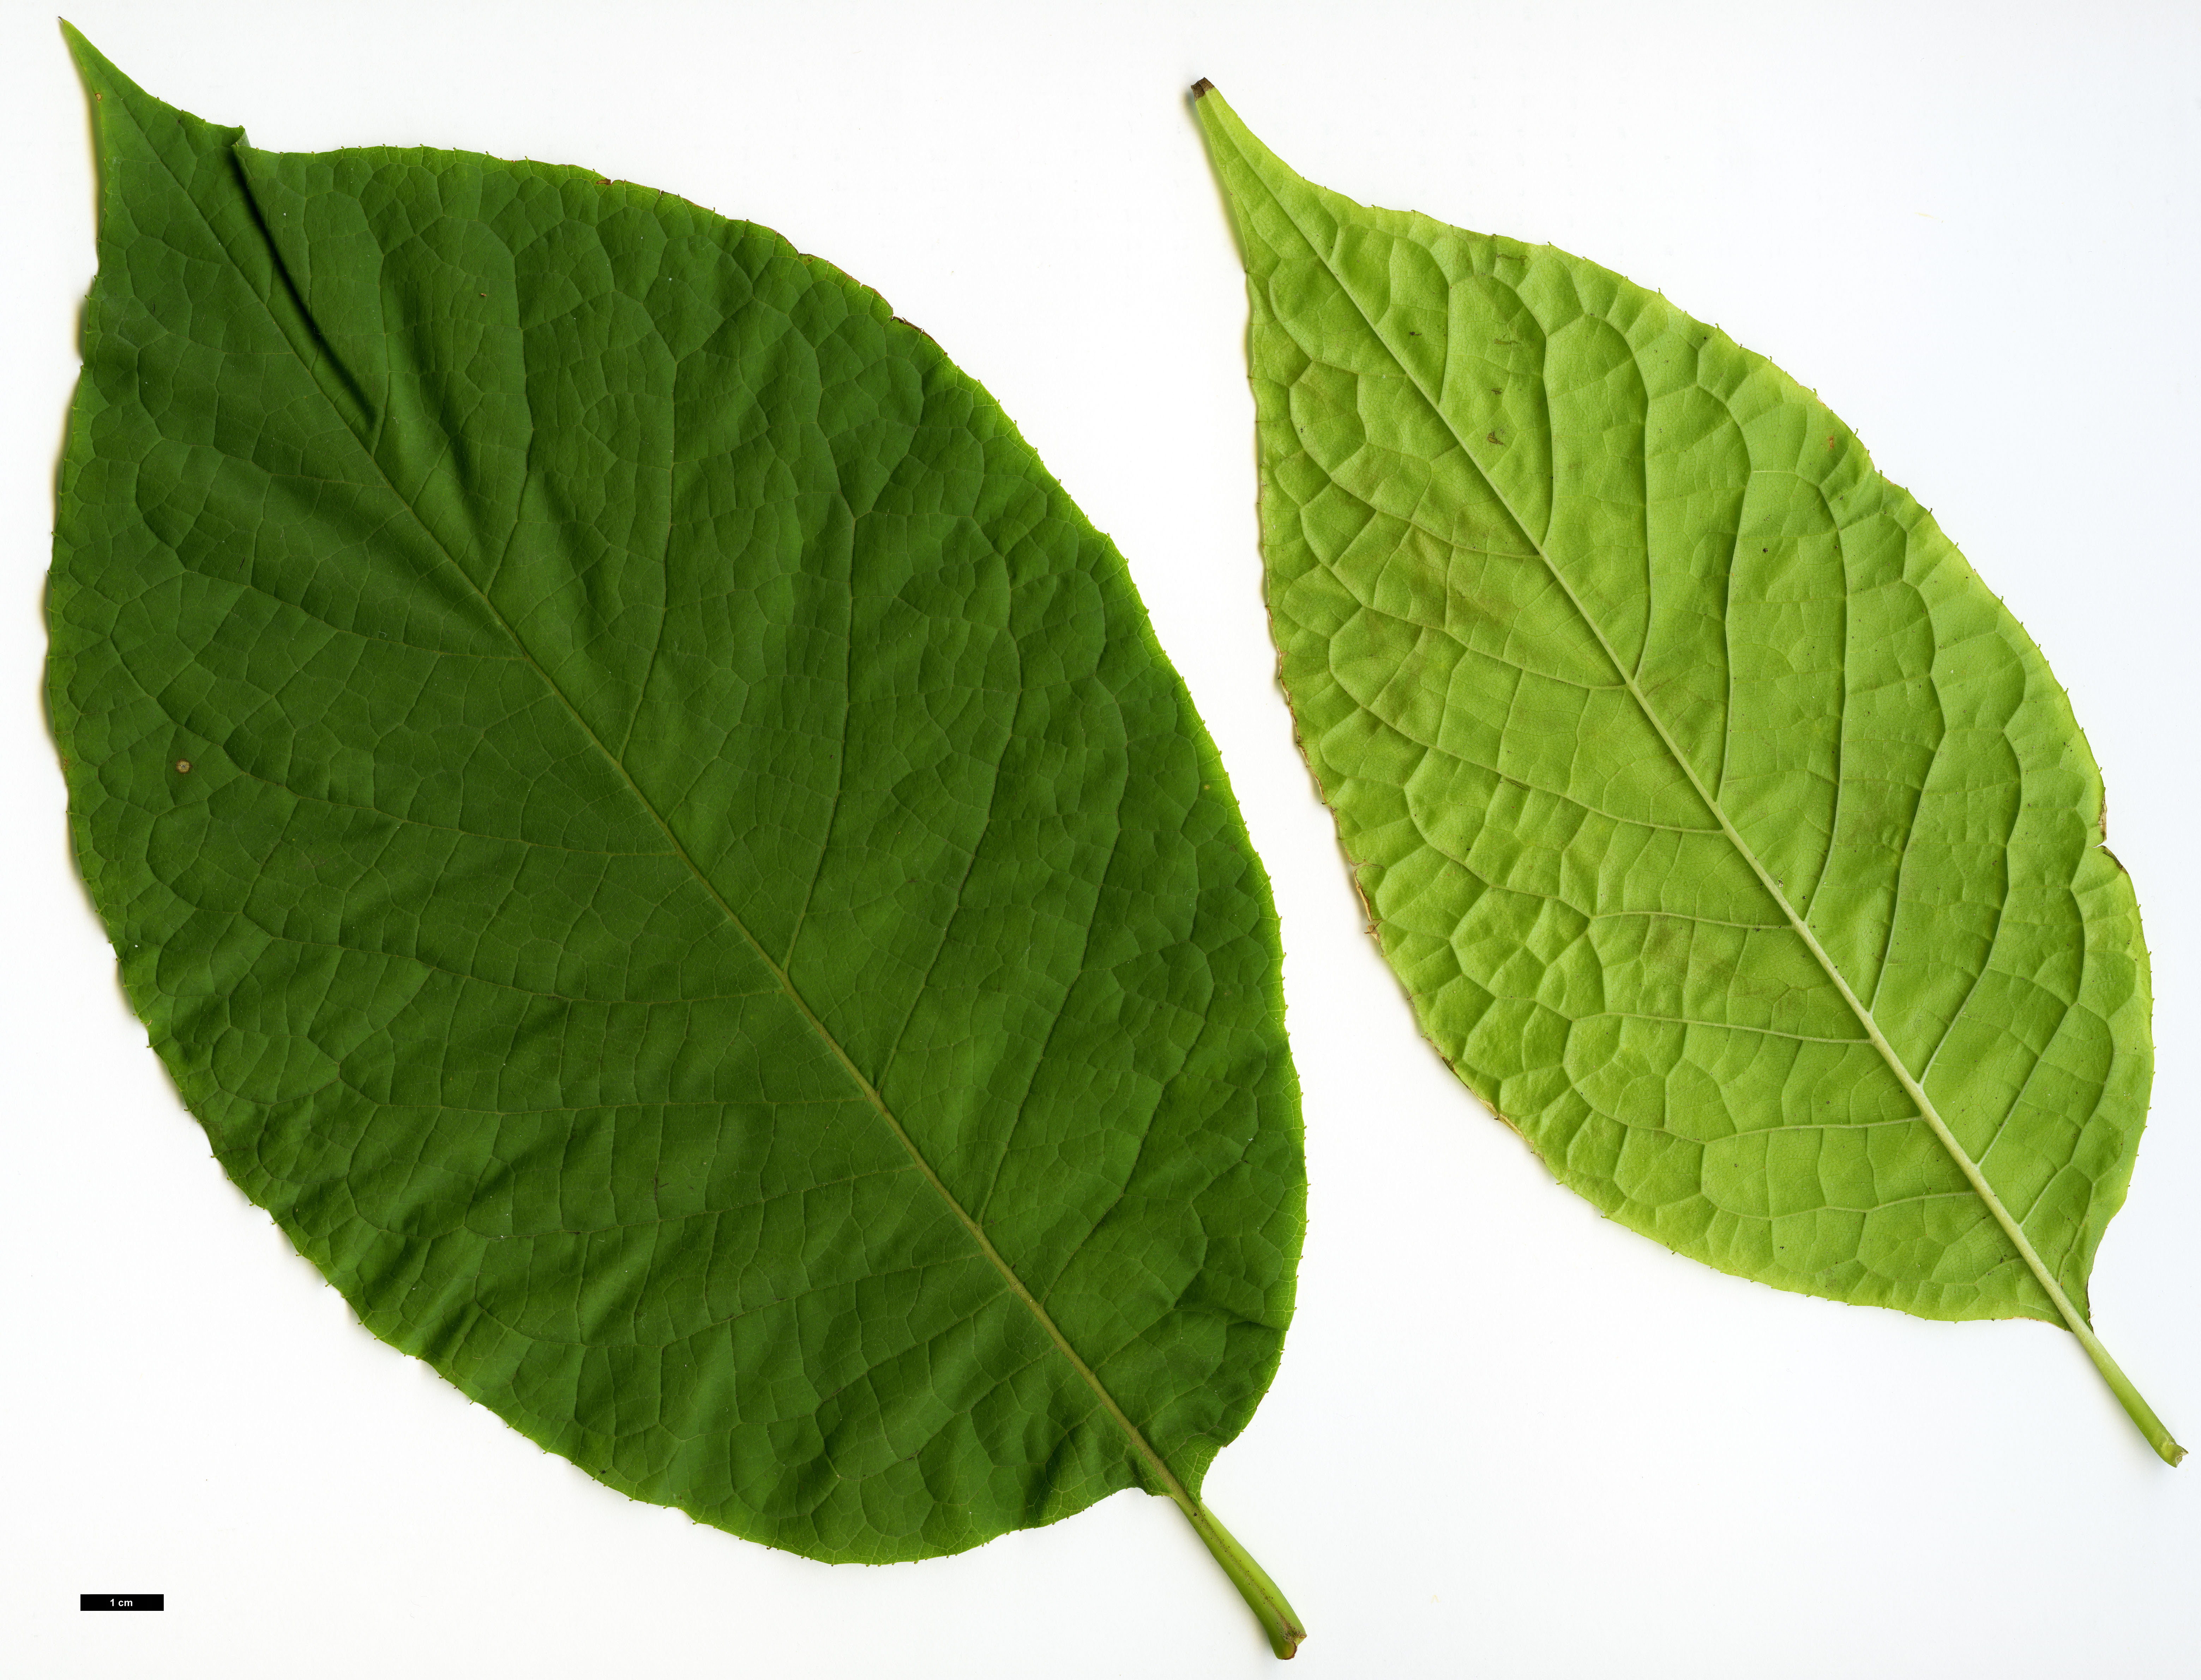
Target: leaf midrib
pixel 2073 1318
pixel 1146 1450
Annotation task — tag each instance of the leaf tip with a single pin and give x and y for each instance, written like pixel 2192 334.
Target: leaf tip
pixel 93 66
pixel 1201 89
pixel 80 50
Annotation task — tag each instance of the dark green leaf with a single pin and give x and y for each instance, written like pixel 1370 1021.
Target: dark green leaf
pixel 661 847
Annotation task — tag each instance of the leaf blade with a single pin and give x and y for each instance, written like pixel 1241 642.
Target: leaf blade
pixel 1453 603
pixel 420 806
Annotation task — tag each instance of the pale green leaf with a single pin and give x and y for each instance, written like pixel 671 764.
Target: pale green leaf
pixel 661 847
pixel 1731 839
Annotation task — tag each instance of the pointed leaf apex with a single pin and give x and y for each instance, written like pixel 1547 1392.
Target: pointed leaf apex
pixel 98 71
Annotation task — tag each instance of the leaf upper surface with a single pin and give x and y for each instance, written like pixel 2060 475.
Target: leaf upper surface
pixel 661 845
pixel 1731 840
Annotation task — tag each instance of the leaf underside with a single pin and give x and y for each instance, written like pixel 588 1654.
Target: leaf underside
pixel 661 846
pixel 1711 810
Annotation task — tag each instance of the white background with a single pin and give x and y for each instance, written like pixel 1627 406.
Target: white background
pixel 1508 1438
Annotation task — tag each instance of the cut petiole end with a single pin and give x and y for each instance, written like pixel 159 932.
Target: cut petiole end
pixel 1270 1607
pixel 2150 1426
pixel 2136 1408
